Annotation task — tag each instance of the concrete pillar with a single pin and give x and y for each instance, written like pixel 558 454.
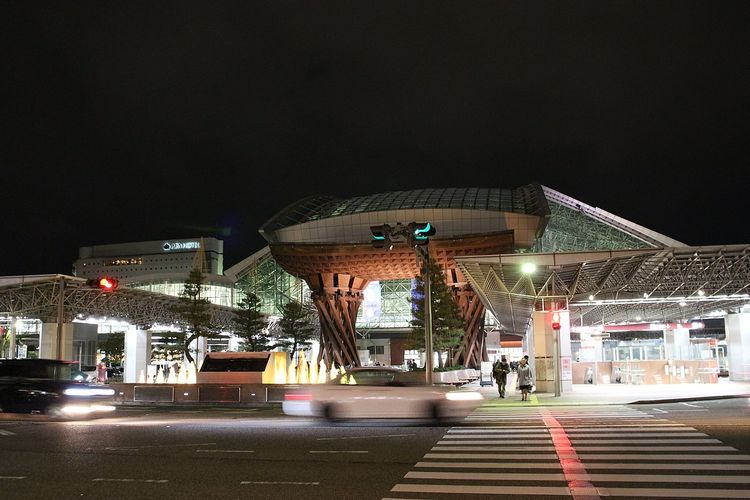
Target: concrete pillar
pixel 12 347
pixel 48 341
pixel 737 328
pixel 137 356
pixel 544 362
pixel 677 344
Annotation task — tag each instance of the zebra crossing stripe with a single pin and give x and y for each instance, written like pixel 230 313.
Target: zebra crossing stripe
pixel 510 450
pixel 589 465
pixel 486 476
pixel 616 457
pixel 667 466
pixel 572 476
pixel 584 449
pixel 494 441
pixel 676 493
pixel 646 441
pixel 491 465
pixel 482 490
pixel 493 456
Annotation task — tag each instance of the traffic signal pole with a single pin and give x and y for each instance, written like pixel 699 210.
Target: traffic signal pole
pixel 428 368
pixel 416 235
pixel 60 319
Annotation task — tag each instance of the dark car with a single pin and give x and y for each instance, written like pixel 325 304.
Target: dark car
pixel 114 370
pixel 48 386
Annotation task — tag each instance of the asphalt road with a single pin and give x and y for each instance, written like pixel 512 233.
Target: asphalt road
pixel 686 450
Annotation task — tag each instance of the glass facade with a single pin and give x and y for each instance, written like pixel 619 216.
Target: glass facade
pixel 222 295
pixel 386 305
pixel 273 286
pixel 570 230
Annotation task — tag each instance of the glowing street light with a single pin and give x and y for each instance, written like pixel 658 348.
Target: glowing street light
pixel 528 268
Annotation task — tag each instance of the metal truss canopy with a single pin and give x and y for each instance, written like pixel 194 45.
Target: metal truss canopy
pixel 39 297
pixel 607 287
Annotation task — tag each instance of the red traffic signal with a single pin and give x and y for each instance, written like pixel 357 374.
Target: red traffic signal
pixel 105 284
pixel 555 321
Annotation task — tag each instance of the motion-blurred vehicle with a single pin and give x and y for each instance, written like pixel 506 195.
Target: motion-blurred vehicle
pixel 114 370
pixel 48 386
pixel 84 374
pixel 379 393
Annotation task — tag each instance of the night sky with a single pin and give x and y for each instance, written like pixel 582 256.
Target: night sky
pixel 129 121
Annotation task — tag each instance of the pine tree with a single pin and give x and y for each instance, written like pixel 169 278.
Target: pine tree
pixel 250 325
pixel 113 347
pixel 193 315
pixel 447 323
pixel 296 327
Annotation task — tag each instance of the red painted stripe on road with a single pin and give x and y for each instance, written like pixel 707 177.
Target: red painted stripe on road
pixel 580 489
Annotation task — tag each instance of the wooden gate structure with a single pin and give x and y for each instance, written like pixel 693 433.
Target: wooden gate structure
pixel 337 274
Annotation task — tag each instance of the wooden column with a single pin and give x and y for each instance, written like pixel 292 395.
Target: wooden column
pixel 472 350
pixel 337 298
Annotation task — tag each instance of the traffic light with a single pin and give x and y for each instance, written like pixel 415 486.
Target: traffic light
pixel 555 320
pixel 420 232
pixel 105 283
pixel 381 236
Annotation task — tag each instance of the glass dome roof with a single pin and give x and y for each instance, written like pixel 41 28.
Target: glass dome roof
pixel 528 199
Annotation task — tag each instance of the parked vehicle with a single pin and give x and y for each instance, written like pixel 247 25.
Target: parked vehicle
pixel 379 393
pixel 49 386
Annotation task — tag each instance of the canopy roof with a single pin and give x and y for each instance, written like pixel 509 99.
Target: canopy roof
pixel 38 297
pixel 607 287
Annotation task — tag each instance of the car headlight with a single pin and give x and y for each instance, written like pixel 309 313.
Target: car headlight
pixel 88 392
pixel 463 396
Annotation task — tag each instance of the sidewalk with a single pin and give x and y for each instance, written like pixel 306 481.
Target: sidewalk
pixel 610 394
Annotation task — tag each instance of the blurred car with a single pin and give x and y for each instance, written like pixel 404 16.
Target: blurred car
pixel 379 393
pixel 114 370
pixel 48 386
pixel 84 374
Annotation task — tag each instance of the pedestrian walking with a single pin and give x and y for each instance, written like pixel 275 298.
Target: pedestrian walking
pixel 525 378
pixel 500 371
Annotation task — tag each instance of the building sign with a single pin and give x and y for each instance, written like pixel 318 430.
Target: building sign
pixel 169 246
pixel 567 372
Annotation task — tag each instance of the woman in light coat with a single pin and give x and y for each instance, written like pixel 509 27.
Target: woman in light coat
pixel 525 379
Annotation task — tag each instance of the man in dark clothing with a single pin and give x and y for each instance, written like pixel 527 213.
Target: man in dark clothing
pixel 500 371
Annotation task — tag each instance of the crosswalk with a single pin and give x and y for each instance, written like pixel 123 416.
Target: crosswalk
pixel 580 452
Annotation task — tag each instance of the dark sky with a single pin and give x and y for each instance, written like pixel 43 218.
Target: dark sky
pixel 128 121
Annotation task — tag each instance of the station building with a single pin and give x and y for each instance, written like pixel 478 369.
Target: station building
pixel 324 238
pixel 320 253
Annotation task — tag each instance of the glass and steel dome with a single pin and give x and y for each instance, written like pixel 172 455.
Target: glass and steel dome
pixel 528 199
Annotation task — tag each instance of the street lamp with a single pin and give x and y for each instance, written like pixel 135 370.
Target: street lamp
pixel 528 268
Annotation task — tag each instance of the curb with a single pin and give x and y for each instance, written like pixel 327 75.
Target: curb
pixel 696 398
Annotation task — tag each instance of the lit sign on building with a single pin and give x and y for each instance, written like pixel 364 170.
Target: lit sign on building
pixel 169 246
